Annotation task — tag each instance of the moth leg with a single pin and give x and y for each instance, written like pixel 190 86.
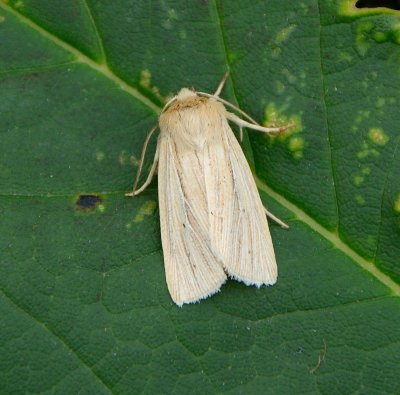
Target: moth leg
pixel 241 134
pixel 276 219
pixel 139 172
pixel 221 84
pixel 244 124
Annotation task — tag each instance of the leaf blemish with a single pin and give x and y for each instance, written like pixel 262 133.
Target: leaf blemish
pixel 171 17
pixel 380 102
pixel 366 151
pixel 123 158
pixel 296 147
pixel 147 208
pixel 145 79
pixel 89 203
pixel 284 34
pixel 19 4
pixel 291 78
pixel 273 117
pixel 396 206
pixel 363 37
pixel 360 200
pixel 365 7
pixel 133 160
pixel 358 179
pixel 100 156
pixel 378 136
pixel 145 83
pixel 280 87
pixel 391 4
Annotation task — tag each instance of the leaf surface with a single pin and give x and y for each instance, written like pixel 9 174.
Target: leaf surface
pixel 84 303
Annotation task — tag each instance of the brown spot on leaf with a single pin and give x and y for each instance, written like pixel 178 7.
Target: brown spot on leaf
pixel 88 202
pixel 392 4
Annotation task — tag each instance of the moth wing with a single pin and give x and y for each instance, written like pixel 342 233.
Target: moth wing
pixel 240 234
pixel 193 271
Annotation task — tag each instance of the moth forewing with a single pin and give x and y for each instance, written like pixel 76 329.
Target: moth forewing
pixel 193 269
pixel 212 219
pixel 241 234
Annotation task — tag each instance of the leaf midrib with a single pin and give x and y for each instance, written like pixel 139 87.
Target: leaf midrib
pixel 332 237
pixel 300 214
pixel 82 58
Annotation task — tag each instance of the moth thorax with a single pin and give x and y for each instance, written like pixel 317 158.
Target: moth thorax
pixel 185 94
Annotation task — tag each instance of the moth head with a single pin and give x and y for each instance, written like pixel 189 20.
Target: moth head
pixel 185 94
pixel 186 98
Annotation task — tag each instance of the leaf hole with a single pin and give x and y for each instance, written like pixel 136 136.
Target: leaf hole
pixel 392 4
pixel 88 202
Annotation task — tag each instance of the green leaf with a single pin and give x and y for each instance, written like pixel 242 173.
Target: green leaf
pixel 84 303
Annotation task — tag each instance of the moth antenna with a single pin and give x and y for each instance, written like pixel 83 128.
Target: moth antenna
pixel 169 102
pixel 221 84
pixel 242 123
pixel 142 156
pixel 229 105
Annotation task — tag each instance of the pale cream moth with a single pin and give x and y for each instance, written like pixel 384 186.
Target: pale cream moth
pixel 213 223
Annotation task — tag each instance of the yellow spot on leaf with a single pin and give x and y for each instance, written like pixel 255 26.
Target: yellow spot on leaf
pixel 147 208
pixel 171 17
pixel 274 117
pixel 172 14
pixel 100 156
pixel 396 205
pixel 280 87
pixel 362 36
pixel 360 200
pixel 145 79
pixel 133 160
pixel 296 147
pixel 366 151
pixel 366 171
pixel 145 82
pixel 123 158
pixel 345 56
pixel 289 75
pixel 284 34
pixel 2 18
pixel 232 57
pixel 397 36
pixel 358 180
pixel 379 37
pixel 378 136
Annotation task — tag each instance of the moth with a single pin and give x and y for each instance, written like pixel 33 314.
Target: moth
pixel 213 223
